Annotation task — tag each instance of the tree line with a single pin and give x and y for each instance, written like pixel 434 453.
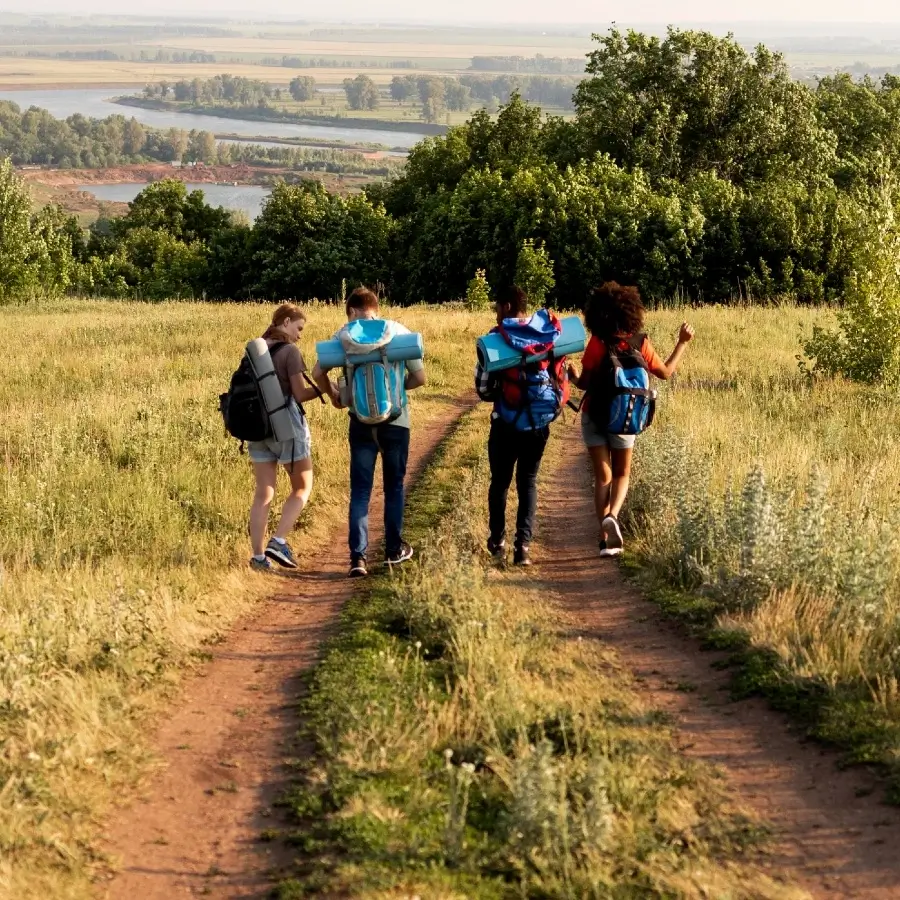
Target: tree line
pixel 537 65
pixel 692 168
pixel 34 137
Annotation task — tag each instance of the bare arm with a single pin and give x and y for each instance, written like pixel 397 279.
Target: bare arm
pixel 670 366
pixel 326 385
pixel 301 390
pixel 415 380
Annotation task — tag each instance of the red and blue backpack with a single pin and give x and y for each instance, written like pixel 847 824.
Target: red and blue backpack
pixel 532 394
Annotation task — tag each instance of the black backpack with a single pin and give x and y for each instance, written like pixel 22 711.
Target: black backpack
pixel 243 410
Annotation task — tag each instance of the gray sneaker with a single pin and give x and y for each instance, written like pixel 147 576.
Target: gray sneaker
pixel 261 565
pixel 281 553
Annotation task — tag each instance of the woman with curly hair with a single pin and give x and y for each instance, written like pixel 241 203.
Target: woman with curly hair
pixel 615 316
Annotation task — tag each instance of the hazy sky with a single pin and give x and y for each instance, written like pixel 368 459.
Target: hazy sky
pixel 519 11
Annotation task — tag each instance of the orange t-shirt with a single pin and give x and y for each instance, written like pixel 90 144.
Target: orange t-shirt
pixel 595 353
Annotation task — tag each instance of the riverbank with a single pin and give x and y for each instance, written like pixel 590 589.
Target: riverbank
pixel 369 151
pixel 254 114
pixel 231 174
pixel 65 187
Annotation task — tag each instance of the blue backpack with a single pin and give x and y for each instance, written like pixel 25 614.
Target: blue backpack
pixel 377 391
pixel 622 401
pixel 532 395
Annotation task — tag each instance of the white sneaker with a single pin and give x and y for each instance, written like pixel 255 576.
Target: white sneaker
pixel 612 532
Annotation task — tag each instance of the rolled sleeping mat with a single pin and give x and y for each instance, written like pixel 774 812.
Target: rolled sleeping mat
pixel 270 388
pixel 403 347
pixel 494 354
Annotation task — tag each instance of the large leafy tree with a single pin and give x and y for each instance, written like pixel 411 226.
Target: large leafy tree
pixel 362 92
pixel 693 102
pixel 307 242
pixel 35 250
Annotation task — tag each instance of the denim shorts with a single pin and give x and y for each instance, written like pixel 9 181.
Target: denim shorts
pixel 594 437
pixel 285 452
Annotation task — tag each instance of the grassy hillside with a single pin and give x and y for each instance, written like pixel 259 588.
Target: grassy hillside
pixel 123 543
pixel 770 502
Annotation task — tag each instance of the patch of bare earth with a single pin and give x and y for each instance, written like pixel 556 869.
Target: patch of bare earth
pixel 832 835
pixel 226 745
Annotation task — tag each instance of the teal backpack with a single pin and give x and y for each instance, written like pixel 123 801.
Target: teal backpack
pixel 377 390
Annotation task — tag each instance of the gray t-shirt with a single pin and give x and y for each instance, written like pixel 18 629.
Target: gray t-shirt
pixel 412 365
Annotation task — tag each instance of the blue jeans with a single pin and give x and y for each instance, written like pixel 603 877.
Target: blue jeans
pixel 366 441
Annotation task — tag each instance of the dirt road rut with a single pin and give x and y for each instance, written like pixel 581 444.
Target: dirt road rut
pixel 833 836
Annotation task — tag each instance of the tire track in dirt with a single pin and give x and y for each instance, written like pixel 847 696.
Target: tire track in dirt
pixel 833 836
pixel 228 740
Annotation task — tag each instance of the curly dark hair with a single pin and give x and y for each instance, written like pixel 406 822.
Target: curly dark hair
pixel 613 309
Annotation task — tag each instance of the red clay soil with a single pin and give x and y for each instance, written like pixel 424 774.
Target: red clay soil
pixel 833 836
pixel 228 741
pixel 131 174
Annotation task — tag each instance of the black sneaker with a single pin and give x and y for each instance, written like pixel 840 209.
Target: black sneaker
pixel 521 555
pixel 404 554
pixel 497 549
pixel 358 567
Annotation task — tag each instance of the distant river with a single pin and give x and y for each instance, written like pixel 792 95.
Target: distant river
pixel 95 103
pixel 248 197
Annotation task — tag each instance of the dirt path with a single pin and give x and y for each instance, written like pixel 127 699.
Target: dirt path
pixel 833 836
pixel 228 740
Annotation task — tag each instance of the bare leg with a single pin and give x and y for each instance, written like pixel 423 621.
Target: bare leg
pixel 301 488
pixel 266 474
pixel 602 479
pixel 621 478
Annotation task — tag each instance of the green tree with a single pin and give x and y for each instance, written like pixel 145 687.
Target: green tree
pixel 362 92
pixel 307 240
pixel 303 88
pixel 694 102
pixel 478 292
pixel 35 251
pixel 865 346
pixel 401 89
pixel 202 147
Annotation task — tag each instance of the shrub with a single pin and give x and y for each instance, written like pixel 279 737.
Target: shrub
pixel 478 294
pixel 534 272
pixel 865 346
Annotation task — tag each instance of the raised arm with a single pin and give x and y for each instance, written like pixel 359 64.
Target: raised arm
pixel 670 366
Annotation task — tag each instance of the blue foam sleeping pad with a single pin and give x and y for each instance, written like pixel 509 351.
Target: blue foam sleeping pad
pixel 495 354
pixel 330 354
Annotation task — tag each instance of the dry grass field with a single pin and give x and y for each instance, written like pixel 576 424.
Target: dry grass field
pixel 34 73
pixel 123 548
pixel 772 500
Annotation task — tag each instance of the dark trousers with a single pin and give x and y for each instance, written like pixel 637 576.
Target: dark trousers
pixel 521 451
pixel 366 442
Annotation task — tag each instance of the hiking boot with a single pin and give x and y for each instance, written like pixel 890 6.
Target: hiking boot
pixel 612 532
pixel 281 553
pixel 261 565
pixel 521 555
pixel 497 549
pixel 404 554
pixel 358 567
